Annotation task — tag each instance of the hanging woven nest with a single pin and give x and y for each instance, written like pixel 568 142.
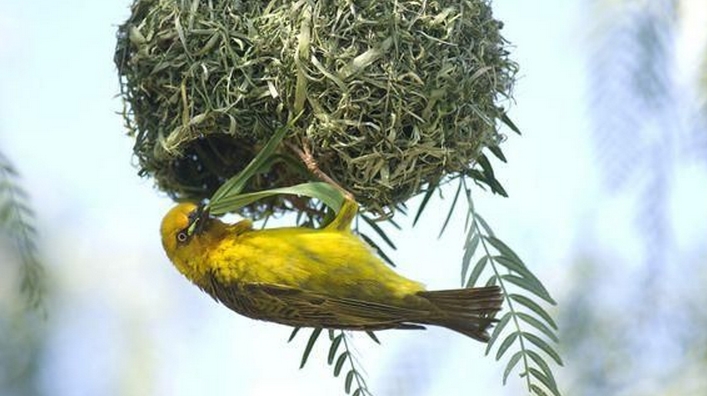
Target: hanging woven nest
pixel 392 96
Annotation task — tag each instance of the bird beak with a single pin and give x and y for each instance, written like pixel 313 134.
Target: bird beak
pixel 197 220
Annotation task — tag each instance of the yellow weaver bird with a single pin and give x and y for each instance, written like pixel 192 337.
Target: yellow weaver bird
pixel 306 277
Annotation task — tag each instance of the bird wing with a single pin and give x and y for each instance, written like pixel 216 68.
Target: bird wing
pixel 296 307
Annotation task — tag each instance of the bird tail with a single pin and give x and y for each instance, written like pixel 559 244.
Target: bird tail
pixel 467 311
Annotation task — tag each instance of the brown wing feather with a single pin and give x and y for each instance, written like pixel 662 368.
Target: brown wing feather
pixel 294 307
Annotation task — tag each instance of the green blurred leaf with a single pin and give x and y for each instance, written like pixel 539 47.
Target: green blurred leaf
pixel 16 218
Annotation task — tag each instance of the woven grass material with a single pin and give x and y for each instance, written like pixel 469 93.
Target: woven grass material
pixel 393 95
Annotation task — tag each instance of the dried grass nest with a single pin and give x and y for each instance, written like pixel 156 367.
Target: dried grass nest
pixel 392 96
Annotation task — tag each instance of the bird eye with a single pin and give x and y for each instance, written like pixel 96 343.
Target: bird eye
pixel 182 236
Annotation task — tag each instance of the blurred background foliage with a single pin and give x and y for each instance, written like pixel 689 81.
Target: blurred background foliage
pixel 630 289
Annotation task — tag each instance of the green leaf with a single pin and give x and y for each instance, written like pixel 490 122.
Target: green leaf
pixel 349 381
pixel 340 363
pixel 524 272
pixel 503 249
pixel 544 380
pixel 496 150
pixel 507 342
pixel 293 334
pixel 544 346
pixel 378 231
pixel 236 184
pixel 484 224
pixel 511 364
pixel 537 390
pixel 373 336
pixel 497 330
pixel 476 271
pixel 334 346
pixel 533 306
pixel 486 166
pixel 540 362
pixel 310 345
pixel 528 284
pixel 430 190
pixel 324 192
pixel 469 250
pixel 509 123
pixel 531 320
pixel 377 248
pixel 451 211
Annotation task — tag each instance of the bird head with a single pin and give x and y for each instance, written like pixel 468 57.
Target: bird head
pixel 182 228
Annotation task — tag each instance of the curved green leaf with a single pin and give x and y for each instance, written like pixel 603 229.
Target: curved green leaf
pixel 531 320
pixel 544 346
pixel 428 194
pixel 293 334
pixel 378 230
pixel 310 344
pixel 497 330
pixel 236 184
pixel 349 381
pixel 333 347
pixel 511 364
pixel 340 363
pixel 377 248
pixel 507 342
pixel 529 285
pixel 549 384
pixel 533 306
pixel 476 271
pixel 469 250
pixel 544 367
pixel 373 336
pixel 324 192
pixel 451 210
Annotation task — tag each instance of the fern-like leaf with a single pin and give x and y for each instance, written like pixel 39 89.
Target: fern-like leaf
pixel 16 222
pixel 526 327
pixel 354 379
